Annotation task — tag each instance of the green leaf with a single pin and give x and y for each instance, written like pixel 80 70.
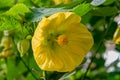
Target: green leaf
pixel 6 3
pixel 97 2
pixel 11 19
pixel 105 11
pixel 39 13
pixel 107 2
pixel 8 22
pixel 82 9
pixel 13 70
pixel 28 3
pixel 29 77
pixel 17 10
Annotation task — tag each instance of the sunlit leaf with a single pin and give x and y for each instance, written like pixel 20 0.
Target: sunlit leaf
pixel 82 9
pixel 6 3
pixel 8 22
pixel 17 10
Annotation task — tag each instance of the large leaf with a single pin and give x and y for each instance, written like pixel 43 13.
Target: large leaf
pixel 39 13
pixel 14 70
pixel 97 2
pixel 17 10
pixel 9 19
pixel 8 22
pixel 82 9
pixel 105 11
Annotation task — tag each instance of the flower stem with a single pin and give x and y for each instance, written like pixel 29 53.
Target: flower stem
pixel 45 75
pixel 28 68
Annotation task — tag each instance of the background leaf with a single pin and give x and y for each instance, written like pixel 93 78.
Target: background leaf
pixel 39 13
pixel 107 2
pixel 8 22
pixel 97 2
pixel 6 3
pixel 82 9
pixel 105 11
pixel 17 10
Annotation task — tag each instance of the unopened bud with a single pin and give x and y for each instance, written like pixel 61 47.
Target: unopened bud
pixel 23 46
pixel 7 43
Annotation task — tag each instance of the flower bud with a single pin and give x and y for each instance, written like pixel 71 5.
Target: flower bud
pixel 7 44
pixel 23 46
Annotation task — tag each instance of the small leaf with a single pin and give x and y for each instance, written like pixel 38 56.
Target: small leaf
pixel 97 2
pixel 105 11
pixel 39 13
pixel 82 9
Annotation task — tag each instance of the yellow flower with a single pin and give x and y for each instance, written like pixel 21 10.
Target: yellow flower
pixel 62 1
pixel 60 42
pixel 116 36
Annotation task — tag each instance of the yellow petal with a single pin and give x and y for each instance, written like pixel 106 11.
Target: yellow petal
pixel 116 36
pixel 57 19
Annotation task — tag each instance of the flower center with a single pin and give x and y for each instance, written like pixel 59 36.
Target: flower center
pixel 62 40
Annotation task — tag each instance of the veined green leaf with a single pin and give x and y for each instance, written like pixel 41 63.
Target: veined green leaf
pixel 9 19
pixel 17 10
pixel 82 9
pixel 39 13
pixel 8 22
pixel 97 2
